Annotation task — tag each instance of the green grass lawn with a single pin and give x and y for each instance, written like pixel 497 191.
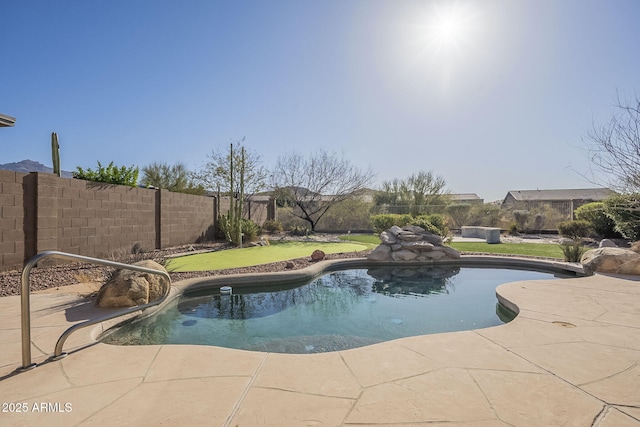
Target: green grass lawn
pixel 244 257
pixel 369 239
pixel 525 249
pixel 281 251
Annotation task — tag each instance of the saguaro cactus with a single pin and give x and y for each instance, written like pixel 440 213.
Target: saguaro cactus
pixel 55 154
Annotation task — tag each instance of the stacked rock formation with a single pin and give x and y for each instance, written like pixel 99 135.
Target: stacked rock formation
pixel 411 243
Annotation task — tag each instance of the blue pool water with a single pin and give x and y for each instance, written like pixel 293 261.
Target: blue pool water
pixel 337 311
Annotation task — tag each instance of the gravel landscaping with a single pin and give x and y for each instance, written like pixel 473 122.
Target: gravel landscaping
pixel 69 274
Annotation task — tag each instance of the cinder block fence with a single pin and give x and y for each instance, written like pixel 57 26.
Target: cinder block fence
pixel 40 211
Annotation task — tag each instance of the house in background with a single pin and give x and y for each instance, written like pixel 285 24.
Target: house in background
pixel 468 198
pixel 6 121
pixel 564 201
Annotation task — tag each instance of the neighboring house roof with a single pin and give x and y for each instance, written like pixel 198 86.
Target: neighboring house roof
pixel 558 195
pixel 6 121
pixel 464 197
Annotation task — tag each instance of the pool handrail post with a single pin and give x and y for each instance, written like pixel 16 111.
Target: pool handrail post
pixel 25 313
pixel 25 308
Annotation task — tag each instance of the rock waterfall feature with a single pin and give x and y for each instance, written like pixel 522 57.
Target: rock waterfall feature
pixel 411 243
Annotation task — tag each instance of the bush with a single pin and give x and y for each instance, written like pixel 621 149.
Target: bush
pixel 538 221
pixel 298 230
pixel 272 226
pixel 575 229
pixel 522 219
pixel 434 223
pixel 485 215
pixel 572 251
pixel 383 222
pixel 459 213
pixel 624 210
pixel 601 223
pixel 350 214
pixel 513 229
pixel 423 221
pixel 109 175
pixel 250 230
pixel 440 223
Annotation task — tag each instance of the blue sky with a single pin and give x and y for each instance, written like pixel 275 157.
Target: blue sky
pixel 493 95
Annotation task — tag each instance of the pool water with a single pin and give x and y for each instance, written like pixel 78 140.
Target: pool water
pixel 337 311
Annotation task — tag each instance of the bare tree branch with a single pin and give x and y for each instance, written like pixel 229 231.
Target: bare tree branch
pixel 309 187
pixel 216 173
pixel 614 148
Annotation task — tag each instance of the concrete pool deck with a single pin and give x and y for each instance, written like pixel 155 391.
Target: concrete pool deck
pixel 570 358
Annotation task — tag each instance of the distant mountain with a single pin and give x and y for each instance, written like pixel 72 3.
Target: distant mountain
pixel 26 166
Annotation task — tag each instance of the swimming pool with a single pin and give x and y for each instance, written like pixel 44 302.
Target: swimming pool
pixel 336 311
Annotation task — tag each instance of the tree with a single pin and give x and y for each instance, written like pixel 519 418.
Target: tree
pixel 614 147
pixel 170 177
pixel 222 170
pixel 236 173
pixel 416 192
pixel 624 209
pixel 309 186
pixel 595 214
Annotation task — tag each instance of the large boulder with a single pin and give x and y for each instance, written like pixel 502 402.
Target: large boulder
pixel 612 260
pixel 318 255
pixel 606 243
pixel 128 288
pixel 404 255
pixel 380 253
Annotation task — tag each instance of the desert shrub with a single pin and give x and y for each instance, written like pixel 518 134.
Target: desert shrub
pixel 299 230
pixel 440 223
pixel 137 248
pixel 383 222
pixel 624 210
pixel 545 217
pixel 423 222
pixel 572 251
pixel 109 175
pixel 250 230
pixel 289 220
pixel 458 213
pixel 538 221
pixel 350 214
pixel 601 223
pixel 513 229
pixel 485 215
pixel 522 219
pixel 272 226
pixel 575 229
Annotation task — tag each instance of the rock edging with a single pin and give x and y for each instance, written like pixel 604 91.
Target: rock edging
pixel 411 243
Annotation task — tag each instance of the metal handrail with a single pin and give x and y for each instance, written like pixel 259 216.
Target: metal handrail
pixel 25 304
